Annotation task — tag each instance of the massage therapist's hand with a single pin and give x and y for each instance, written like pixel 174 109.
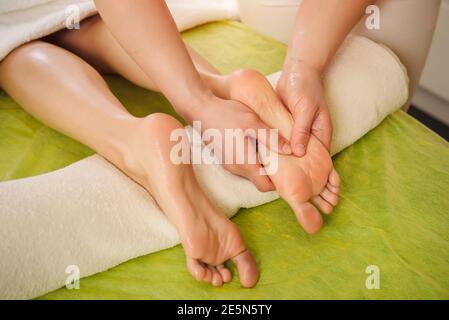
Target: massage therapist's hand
pixel 220 114
pixel 301 90
pixel 320 28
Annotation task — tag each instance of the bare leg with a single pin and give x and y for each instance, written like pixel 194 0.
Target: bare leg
pixel 297 180
pixel 67 94
pixel 95 44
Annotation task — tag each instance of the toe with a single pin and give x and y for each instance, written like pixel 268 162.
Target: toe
pixel 309 217
pixel 196 269
pixel 329 196
pixel 334 178
pixel 333 189
pixel 322 205
pixel 207 274
pixel 226 274
pixel 247 269
pixel 217 280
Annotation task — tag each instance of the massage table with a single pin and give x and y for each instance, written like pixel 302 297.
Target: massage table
pixel 393 213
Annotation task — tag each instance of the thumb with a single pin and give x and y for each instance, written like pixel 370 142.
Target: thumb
pixel 303 119
pixel 322 128
pixel 266 137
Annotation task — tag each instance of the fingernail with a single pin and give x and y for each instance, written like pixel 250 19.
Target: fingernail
pixel 300 149
pixel 286 148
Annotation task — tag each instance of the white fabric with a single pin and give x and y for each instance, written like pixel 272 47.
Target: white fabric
pixel 22 21
pixel 91 215
pixel 26 20
pixel 191 13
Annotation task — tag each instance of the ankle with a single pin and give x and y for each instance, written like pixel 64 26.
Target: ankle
pixel 219 84
pixel 117 143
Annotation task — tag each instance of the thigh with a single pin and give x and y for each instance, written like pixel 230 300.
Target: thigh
pixel 95 44
pixel 83 42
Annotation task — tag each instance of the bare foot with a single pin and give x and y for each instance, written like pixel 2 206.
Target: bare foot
pixel 298 180
pixel 209 238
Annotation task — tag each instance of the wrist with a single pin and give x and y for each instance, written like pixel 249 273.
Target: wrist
pixel 300 66
pixel 296 75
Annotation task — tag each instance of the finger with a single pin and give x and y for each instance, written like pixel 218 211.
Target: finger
pixel 256 172
pixel 303 118
pixel 247 268
pixel 217 281
pixel 196 269
pixel 262 182
pixel 322 128
pixel 252 173
pixel 226 274
pixel 268 136
pixel 324 206
pixel 276 115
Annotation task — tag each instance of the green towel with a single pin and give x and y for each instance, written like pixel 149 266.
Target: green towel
pixel 394 209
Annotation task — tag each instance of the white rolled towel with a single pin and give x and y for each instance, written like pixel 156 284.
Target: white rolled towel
pixel 91 215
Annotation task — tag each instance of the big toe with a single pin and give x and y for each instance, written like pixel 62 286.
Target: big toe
pixel 247 269
pixel 308 216
pixel 197 269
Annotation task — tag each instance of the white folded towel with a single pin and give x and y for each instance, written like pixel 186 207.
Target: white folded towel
pixel 22 21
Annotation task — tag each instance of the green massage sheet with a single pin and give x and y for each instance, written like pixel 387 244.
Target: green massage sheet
pixel 394 209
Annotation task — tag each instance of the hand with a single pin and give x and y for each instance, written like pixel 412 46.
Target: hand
pixel 222 114
pixel 301 90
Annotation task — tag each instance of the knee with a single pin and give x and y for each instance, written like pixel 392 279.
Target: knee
pixel 30 55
